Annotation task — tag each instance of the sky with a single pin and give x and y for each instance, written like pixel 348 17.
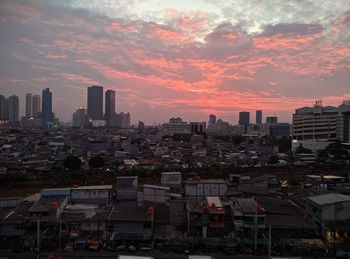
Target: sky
pixel 178 58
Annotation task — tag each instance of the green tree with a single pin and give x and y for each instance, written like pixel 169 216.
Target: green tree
pixel 96 162
pixel 72 162
pixel 338 151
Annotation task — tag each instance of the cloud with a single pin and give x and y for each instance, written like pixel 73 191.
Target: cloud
pixel 242 55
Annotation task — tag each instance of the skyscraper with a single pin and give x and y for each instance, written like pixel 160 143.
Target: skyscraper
pixel 13 108
pixel 80 118
pixel 244 120
pixel 36 108
pixel 47 115
pixel 271 120
pixel 258 117
pixel 109 105
pixel 95 102
pixel 29 106
pixel 3 108
pixel 212 120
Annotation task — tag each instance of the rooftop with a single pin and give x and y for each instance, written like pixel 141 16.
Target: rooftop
pixel 330 198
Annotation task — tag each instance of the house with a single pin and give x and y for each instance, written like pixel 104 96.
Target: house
pixel 130 223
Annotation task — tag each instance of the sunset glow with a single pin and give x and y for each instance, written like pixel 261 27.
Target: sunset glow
pixel 174 58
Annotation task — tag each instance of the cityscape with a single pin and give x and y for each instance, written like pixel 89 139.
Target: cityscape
pixel 199 130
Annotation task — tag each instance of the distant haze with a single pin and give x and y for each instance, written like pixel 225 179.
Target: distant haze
pixel 178 58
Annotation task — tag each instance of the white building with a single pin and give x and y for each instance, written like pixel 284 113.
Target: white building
pixel 317 122
pixel 202 188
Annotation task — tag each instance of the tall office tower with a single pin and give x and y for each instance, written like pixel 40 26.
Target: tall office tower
pixel 244 120
pixel 36 108
pixel 95 102
pixel 109 105
pixel 258 117
pixel 13 108
pixel 271 119
pixel 315 122
pixel 29 106
pixel 3 108
pixel 80 118
pixel 212 120
pixel 47 115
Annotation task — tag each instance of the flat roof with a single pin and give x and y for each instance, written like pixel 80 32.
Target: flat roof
pixel 133 257
pixel 165 173
pixel 92 187
pixel 221 181
pixel 160 187
pixel 330 198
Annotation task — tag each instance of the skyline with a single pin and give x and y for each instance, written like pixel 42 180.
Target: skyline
pixel 176 58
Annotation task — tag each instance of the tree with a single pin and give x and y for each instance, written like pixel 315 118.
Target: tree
pixel 96 162
pixel 273 159
pixel 72 162
pixel 302 150
pixel 338 151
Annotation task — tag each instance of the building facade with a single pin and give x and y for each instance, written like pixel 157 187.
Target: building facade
pixel 109 105
pixel 95 102
pixel 316 122
pixel 47 114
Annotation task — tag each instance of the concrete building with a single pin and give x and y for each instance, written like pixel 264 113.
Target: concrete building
pixel 201 188
pixel 176 125
pixel 271 120
pixel 126 193
pixel 244 118
pixel 3 108
pixel 13 108
pixel 120 120
pixel 29 106
pixel 95 102
pixel 130 223
pixel 316 122
pixel 258 117
pixel 332 212
pixel 343 127
pixel 279 130
pixel 47 114
pixel 197 127
pixel 109 105
pixel 36 105
pixel 80 118
pixel 99 194
pixel 212 120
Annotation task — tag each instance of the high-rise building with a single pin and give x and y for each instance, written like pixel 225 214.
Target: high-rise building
pixel 109 105
pixel 244 120
pixel 3 108
pixel 95 102
pixel 13 108
pixel 29 106
pixel 212 120
pixel 316 123
pixel 36 108
pixel 271 119
pixel 80 118
pixel 343 122
pixel 47 114
pixel 258 117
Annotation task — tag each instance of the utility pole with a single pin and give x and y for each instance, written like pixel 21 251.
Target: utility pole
pixel 269 241
pixel 38 238
pixel 256 230
pixel 60 234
